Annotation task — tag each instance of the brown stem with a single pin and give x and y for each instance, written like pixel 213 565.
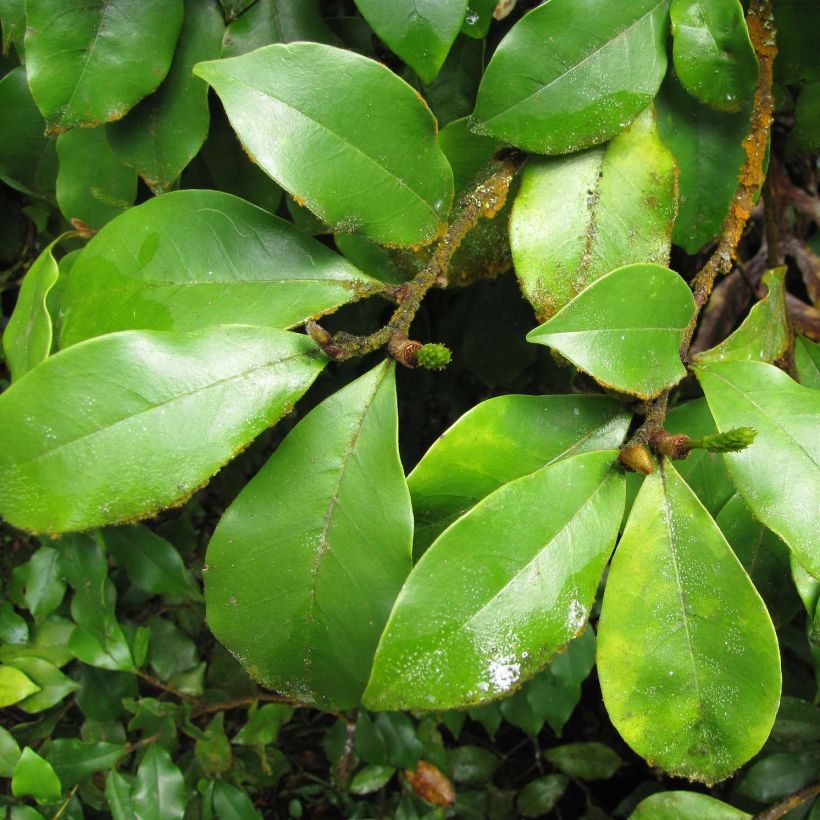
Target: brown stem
pixel 484 200
pixel 789 803
pixel 760 22
pixel 164 687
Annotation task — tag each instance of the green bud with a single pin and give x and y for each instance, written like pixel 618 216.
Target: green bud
pixel 729 442
pixel 434 356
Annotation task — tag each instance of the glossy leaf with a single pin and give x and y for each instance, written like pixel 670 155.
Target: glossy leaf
pixel 577 218
pixel 778 775
pixel 779 475
pixel 98 639
pixel 625 329
pixel 34 777
pixel 370 779
pixel 573 73
pixel 27 337
pixel 313 544
pixel 479 18
pixel 135 405
pixel 75 761
pixel 419 31
pixel 264 724
pixel 764 556
pixel 88 63
pixel 279 102
pixel 15 686
pixel 231 801
pixel 807 359
pixel 45 587
pixel 118 794
pixel 152 563
pixel 28 159
pixel 234 8
pixel 93 185
pixel 804 138
pixel 708 148
pixel 159 792
pixel 498 441
pixel 492 624
pixel 540 796
pixel 679 805
pixel 53 685
pixel 703 471
pixel 276 21
pixel 713 55
pixel 764 334
pixel 183 261
pixel 162 134
pixel 687 655
pixel 9 753
pixel 13 21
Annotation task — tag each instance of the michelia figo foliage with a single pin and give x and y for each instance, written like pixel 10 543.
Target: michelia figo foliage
pixel 235 219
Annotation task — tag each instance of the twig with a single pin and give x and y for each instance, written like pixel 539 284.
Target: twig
pixel 486 199
pixel 158 684
pixel 64 804
pixel 789 803
pixel 239 703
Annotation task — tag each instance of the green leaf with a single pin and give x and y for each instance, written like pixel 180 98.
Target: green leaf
pixel 88 63
pixel 479 18
pixel 491 625
pixel 93 185
pixel 13 21
pixel 264 724
pixel 156 414
pixel 713 55
pixel 53 685
pixel 764 556
pixel 13 628
pixel 703 471
pixel 162 134
pixel 573 73
pixel 49 642
pixel 539 797
pixel 687 655
pixel 276 21
pixel 498 441
pixel 152 563
pixel 708 148
pixel 779 475
pixel 554 693
pixel 675 805
pixel 184 261
pixel 764 334
pixel 370 779
pixel 389 739
pixel 159 792
pixel 469 154
pixel 419 31
pixel 213 751
pixel 170 649
pixel 118 794
pixel 585 761
pixel 577 218
pixel 27 338
pixel 797 22
pixel 375 185
pixel 778 775
pixel 45 587
pixel 314 545
pixel 74 760
pixel 14 686
pixel 625 329
pixel 797 722
pixel 34 777
pixel 234 8
pixel 232 802
pixel 805 135
pixel 472 764
pixel 807 359
pixel 28 160
pixel 98 639
pixel 9 753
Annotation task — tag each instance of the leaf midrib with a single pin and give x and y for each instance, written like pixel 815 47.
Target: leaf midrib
pixel 567 72
pixel 342 139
